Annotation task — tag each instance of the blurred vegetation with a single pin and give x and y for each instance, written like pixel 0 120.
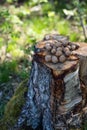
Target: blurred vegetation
pixel 22 24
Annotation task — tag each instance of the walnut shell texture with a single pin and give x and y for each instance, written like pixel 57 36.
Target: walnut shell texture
pixel 48 47
pixel 48 58
pixel 73 47
pixel 66 49
pixel 59 53
pixel 67 53
pixel 54 59
pixel 59 49
pixel 58 44
pixel 53 51
pixel 62 58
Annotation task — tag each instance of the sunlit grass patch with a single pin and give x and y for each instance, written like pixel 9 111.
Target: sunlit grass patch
pixel 15 50
pixel 75 37
pixel 17 53
pixel 63 27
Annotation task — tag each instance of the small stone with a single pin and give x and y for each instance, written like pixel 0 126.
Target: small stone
pixel 54 59
pixel 62 58
pixel 48 58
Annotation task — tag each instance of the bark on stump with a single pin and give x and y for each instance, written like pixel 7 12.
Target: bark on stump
pixel 57 95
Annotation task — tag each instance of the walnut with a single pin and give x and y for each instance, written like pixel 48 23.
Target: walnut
pixel 48 58
pixel 58 44
pixel 65 43
pixel 59 49
pixel 73 47
pixel 54 59
pixel 77 45
pixel 59 53
pixel 62 58
pixel 48 47
pixel 65 49
pixel 67 53
pixel 69 47
pixel 53 51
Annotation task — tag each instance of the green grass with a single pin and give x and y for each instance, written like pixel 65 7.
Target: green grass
pixel 7 69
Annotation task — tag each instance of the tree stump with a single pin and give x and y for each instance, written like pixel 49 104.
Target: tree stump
pixel 56 98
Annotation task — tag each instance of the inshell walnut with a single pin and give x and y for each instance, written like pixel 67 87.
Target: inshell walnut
pixel 53 51
pixel 69 47
pixel 48 58
pixel 58 44
pixel 59 53
pixel 62 58
pixel 48 47
pixel 67 53
pixel 73 47
pixel 54 59
pixel 65 43
pixel 59 49
pixel 65 49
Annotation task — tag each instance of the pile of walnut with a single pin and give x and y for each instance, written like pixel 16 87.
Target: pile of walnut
pixel 58 51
